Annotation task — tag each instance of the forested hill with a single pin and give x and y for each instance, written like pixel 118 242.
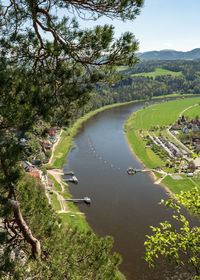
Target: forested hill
pixel 149 79
pixel 170 55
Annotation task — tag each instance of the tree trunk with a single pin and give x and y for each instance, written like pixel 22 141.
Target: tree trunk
pixel 27 234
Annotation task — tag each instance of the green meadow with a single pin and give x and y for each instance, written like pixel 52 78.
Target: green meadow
pixel 176 186
pixel 162 114
pixel 121 68
pixel 158 72
pixel 192 112
pixel 55 202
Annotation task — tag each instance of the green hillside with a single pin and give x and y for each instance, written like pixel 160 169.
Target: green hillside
pixel 158 72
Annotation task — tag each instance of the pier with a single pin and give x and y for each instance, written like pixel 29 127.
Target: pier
pixel 86 200
pixel 73 179
pixel 132 171
pixel 69 173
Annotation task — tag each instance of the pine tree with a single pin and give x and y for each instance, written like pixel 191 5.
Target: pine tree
pixel 48 65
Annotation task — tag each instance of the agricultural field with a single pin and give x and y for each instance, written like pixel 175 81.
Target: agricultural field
pixel 158 72
pixel 162 114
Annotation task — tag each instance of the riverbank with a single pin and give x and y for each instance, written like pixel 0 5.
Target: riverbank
pixel 68 134
pixel 65 142
pixel 85 183
pixel 151 119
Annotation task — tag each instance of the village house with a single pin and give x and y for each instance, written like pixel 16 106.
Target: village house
pixel 196 142
pixel 197 122
pixel 31 170
pixel 35 174
pixel 46 145
pixel 195 128
pixel 52 132
pixel 28 167
pixel 185 129
pixel 175 126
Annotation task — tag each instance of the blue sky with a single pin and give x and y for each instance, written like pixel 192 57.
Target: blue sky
pixel 162 24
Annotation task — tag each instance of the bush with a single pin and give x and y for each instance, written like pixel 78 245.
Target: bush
pixel 48 153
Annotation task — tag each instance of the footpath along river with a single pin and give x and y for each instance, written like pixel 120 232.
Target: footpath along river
pixel 123 206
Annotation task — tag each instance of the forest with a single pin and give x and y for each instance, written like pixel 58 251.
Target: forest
pixel 184 78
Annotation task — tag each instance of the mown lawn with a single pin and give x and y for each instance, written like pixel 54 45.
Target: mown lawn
pixel 158 72
pixel 176 186
pixel 55 202
pixel 162 114
pixel 74 220
pixel 56 184
pixel 157 174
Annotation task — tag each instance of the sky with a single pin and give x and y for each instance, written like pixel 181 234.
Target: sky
pixel 162 24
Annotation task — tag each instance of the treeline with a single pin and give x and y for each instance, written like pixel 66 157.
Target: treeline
pixel 145 87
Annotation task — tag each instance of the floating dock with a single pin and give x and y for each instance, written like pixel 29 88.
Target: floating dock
pixel 132 171
pixel 73 179
pixel 86 200
pixel 71 173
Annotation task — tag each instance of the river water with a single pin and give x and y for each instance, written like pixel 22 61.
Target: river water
pixel 123 206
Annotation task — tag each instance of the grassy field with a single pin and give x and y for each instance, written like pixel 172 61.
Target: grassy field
pixel 75 220
pixel 162 114
pixel 158 175
pixel 121 68
pixel 55 202
pixel 56 184
pixel 158 72
pixel 193 112
pixel 176 186
pixel 149 158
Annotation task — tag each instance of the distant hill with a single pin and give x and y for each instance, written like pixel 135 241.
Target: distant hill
pixel 170 55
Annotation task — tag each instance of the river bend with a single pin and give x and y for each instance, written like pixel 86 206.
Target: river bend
pixel 122 206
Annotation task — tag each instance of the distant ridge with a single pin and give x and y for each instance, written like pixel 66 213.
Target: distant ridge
pixel 170 55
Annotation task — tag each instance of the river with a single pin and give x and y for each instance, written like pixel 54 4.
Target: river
pixel 123 206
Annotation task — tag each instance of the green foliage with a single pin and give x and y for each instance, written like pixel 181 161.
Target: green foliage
pixel 179 245
pixel 77 254
pixel 176 77
pixel 48 153
pixel 48 67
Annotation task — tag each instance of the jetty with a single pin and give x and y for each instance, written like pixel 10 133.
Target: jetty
pixel 132 170
pixel 71 173
pixel 73 179
pixel 86 200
